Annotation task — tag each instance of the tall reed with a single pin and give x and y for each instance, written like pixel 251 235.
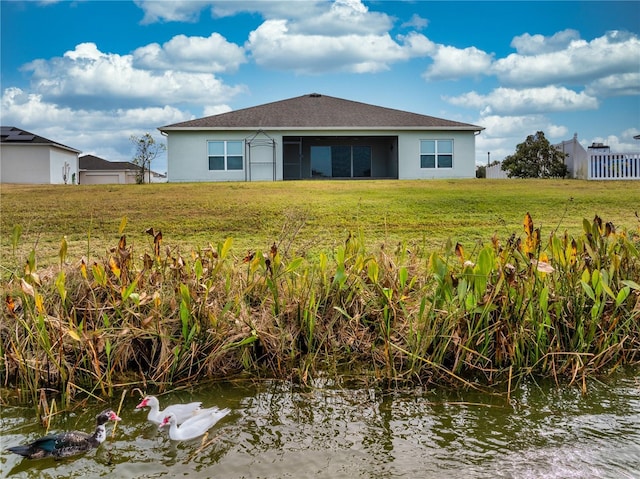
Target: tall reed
pixel 565 307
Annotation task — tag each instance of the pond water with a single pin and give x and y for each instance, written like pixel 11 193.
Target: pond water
pixel 280 430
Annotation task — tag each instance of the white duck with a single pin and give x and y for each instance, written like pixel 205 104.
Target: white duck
pixel 181 412
pixel 194 426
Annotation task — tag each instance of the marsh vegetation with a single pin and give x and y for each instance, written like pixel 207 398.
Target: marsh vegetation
pixel 375 293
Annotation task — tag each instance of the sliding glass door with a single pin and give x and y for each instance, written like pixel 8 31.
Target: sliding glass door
pixel 342 161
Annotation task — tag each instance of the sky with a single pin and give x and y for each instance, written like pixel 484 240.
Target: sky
pixel 90 74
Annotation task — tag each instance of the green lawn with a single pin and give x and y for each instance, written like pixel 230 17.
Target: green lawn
pixel 304 216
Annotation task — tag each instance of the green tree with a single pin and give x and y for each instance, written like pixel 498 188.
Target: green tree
pixel 147 149
pixel 536 158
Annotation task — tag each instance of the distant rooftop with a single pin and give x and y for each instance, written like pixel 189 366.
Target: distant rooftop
pixel 93 163
pixel 18 136
pixel 598 146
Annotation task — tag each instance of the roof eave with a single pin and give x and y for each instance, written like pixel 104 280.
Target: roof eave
pixel 321 128
pixel 54 145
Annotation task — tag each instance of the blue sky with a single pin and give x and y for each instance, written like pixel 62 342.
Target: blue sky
pixel 90 74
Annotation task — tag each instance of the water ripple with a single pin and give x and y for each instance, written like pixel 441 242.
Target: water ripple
pixel 278 430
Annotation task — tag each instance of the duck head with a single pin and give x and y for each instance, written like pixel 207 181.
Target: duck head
pixel 148 401
pixel 107 415
pixel 168 419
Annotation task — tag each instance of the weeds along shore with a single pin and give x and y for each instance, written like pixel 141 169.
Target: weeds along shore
pixel 533 303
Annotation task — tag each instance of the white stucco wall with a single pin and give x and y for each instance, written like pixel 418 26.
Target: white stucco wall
pixel 464 153
pixel 58 159
pixel 187 154
pixel 24 164
pixel 35 164
pixel 577 158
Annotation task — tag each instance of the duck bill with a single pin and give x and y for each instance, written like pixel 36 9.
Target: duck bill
pixel 114 417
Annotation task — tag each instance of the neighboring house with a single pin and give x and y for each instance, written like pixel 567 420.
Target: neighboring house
pixel 318 136
pixel 29 158
pixel 97 171
pixel 576 159
pixel 598 163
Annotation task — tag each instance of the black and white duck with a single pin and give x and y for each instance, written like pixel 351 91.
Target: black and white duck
pixel 67 443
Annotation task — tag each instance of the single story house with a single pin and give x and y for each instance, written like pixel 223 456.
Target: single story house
pixel 318 136
pixel 28 158
pixel 98 171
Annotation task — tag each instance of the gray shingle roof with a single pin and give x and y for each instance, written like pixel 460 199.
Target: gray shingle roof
pixel 94 163
pixel 18 136
pixel 320 111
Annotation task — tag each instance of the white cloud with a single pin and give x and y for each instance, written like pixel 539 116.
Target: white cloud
pixel 416 22
pixel 340 36
pixel 28 110
pixel 211 110
pixel 618 144
pixel 503 133
pixel 629 133
pixel 102 132
pixel 293 9
pixel 624 84
pixel 536 44
pixel 23 109
pixel 452 63
pixel 309 16
pixel 170 11
pixel 89 77
pixel 213 54
pixel 301 36
pixel 578 63
pixel 417 45
pixel 519 126
pixel 273 45
pixel 531 100
pixel 344 17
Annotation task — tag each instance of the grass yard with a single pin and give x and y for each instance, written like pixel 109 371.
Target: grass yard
pixel 303 217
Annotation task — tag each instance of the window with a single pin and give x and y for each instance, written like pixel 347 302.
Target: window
pixel 225 155
pixel 436 153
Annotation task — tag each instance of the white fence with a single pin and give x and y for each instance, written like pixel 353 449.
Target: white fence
pixel 614 166
pixel 495 172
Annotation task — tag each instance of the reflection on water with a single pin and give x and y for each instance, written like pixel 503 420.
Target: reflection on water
pixel 278 430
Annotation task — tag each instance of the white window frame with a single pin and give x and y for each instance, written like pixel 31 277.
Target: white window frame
pixel 437 153
pixel 225 155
